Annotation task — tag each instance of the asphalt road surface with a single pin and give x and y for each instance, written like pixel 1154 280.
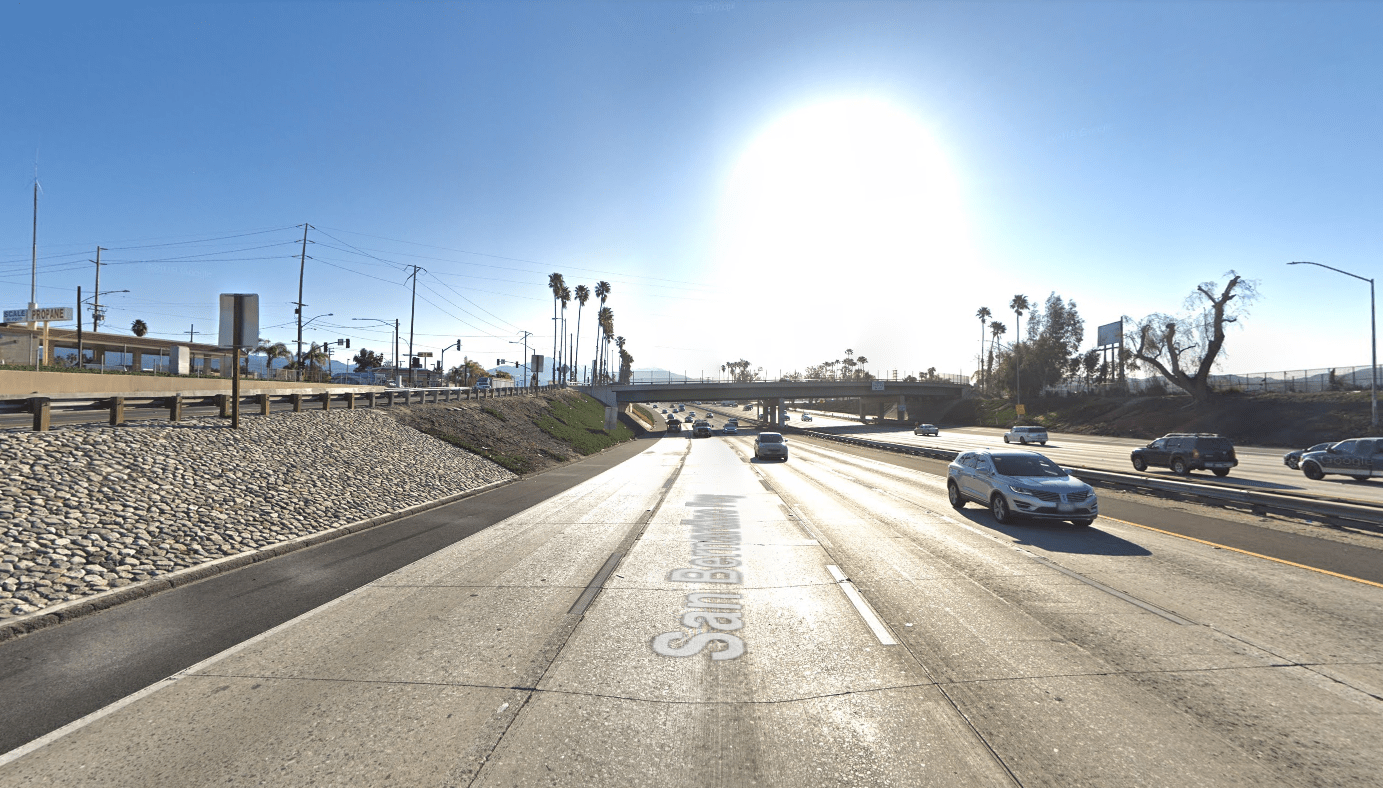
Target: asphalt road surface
pixel 841 625
pixel 1259 468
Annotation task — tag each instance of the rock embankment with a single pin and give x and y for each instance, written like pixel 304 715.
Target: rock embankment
pixel 91 508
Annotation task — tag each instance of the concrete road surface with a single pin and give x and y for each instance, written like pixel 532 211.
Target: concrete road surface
pixel 691 617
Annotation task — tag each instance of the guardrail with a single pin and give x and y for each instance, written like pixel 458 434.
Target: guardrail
pixel 43 408
pixel 1330 512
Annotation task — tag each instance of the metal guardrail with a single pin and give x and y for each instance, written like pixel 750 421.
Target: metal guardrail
pixel 1329 511
pixel 323 398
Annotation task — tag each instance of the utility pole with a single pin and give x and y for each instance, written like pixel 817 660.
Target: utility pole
pixel 302 267
pixel 396 347
pixel 412 312
pixel 81 356
pixel 33 276
pixel 96 306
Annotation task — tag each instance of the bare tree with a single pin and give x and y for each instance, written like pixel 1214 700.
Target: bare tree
pixel 1184 348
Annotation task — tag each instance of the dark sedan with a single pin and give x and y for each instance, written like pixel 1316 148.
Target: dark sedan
pixel 1292 459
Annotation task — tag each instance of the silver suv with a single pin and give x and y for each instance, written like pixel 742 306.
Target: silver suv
pixel 1015 483
pixel 1026 435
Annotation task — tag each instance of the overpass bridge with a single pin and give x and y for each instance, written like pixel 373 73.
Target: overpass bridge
pixel 875 396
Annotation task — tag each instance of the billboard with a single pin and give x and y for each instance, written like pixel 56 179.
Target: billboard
pixel 1110 334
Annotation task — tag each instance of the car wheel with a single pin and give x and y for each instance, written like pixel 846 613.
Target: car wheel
pixel 1312 471
pixel 1140 464
pixel 1083 522
pixel 999 508
pixel 1294 465
pixel 1005 439
pixel 1221 471
pixel 1023 441
pixel 953 493
pixel 1044 443
pixel 1179 467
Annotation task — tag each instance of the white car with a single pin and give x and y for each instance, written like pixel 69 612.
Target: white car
pixel 926 429
pixel 1026 435
pixel 806 417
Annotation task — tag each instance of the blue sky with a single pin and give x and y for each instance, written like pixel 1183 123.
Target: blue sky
pixel 771 181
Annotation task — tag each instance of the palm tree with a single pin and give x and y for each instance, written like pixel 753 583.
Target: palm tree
pixel 565 298
pixel 996 330
pixel 602 291
pixel 606 320
pixel 139 328
pixel 271 351
pixel 1019 305
pixel 583 294
pixel 555 284
pixel 619 343
pixel 983 314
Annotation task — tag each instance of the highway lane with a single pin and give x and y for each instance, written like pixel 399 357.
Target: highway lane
pixel 1259 468
pixel 1027 655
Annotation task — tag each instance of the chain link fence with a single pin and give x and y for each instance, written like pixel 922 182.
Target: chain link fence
pixel 1291 381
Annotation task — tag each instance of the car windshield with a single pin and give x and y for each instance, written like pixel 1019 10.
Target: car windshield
pixel 1027 465
pixel 770 437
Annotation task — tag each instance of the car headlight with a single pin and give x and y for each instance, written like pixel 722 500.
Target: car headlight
pixel 1022 490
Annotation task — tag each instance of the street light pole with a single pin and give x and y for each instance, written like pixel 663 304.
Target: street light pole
pixel 1373 331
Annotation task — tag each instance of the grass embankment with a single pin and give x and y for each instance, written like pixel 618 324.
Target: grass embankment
pixel 522 434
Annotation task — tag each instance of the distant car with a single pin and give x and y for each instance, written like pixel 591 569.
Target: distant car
pixel 1292 459
pixel 673 425
pixel 926 429
pixel 1015 483
pixel 701 429
pixel 1184 452
pixel 770 446
pixel 806 417
pixel 1357 457
pixel 748 407
pixel 1026 435
pixel 730 428
pixel 786 417
pixel 688 420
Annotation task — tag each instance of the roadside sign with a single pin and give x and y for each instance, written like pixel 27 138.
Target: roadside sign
pixel 47 314
pixel 877 385
pixel 424 354
pixel 1022 410
pixel 239 320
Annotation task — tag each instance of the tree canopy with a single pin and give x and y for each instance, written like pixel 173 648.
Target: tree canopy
pixel 1185 347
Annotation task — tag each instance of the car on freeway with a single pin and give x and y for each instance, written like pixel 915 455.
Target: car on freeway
pixel 771 446
pixel 1016 483
pixel 806 417
pixel 926 429
pixel 688 420
pixel 1026 435
pixel 786 417
pixel 673 425
pixel 1184 452
pixel 730 428
pixel 701 429
pixel 1292 459
pixel 1360 458
pixel 748 407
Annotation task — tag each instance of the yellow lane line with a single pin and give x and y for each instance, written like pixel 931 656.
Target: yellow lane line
pixel 1246 552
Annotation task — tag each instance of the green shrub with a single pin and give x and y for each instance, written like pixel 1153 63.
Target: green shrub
pixel 581 422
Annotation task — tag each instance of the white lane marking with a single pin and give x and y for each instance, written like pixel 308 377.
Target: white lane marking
pixel 111 708
pixel 876 625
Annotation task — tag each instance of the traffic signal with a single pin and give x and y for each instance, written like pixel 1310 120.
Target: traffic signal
pixel 348 344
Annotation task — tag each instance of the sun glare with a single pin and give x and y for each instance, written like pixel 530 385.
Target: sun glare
pixel 842 186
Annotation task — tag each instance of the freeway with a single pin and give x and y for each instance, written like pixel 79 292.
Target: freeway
pixel 694 617
pixel 1259 468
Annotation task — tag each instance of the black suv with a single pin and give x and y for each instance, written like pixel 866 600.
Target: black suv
pixel 1184 452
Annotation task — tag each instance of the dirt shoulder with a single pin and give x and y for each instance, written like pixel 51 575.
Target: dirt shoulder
pixel 524 434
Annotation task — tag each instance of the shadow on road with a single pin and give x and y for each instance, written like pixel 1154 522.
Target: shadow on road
pixel 1057 537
